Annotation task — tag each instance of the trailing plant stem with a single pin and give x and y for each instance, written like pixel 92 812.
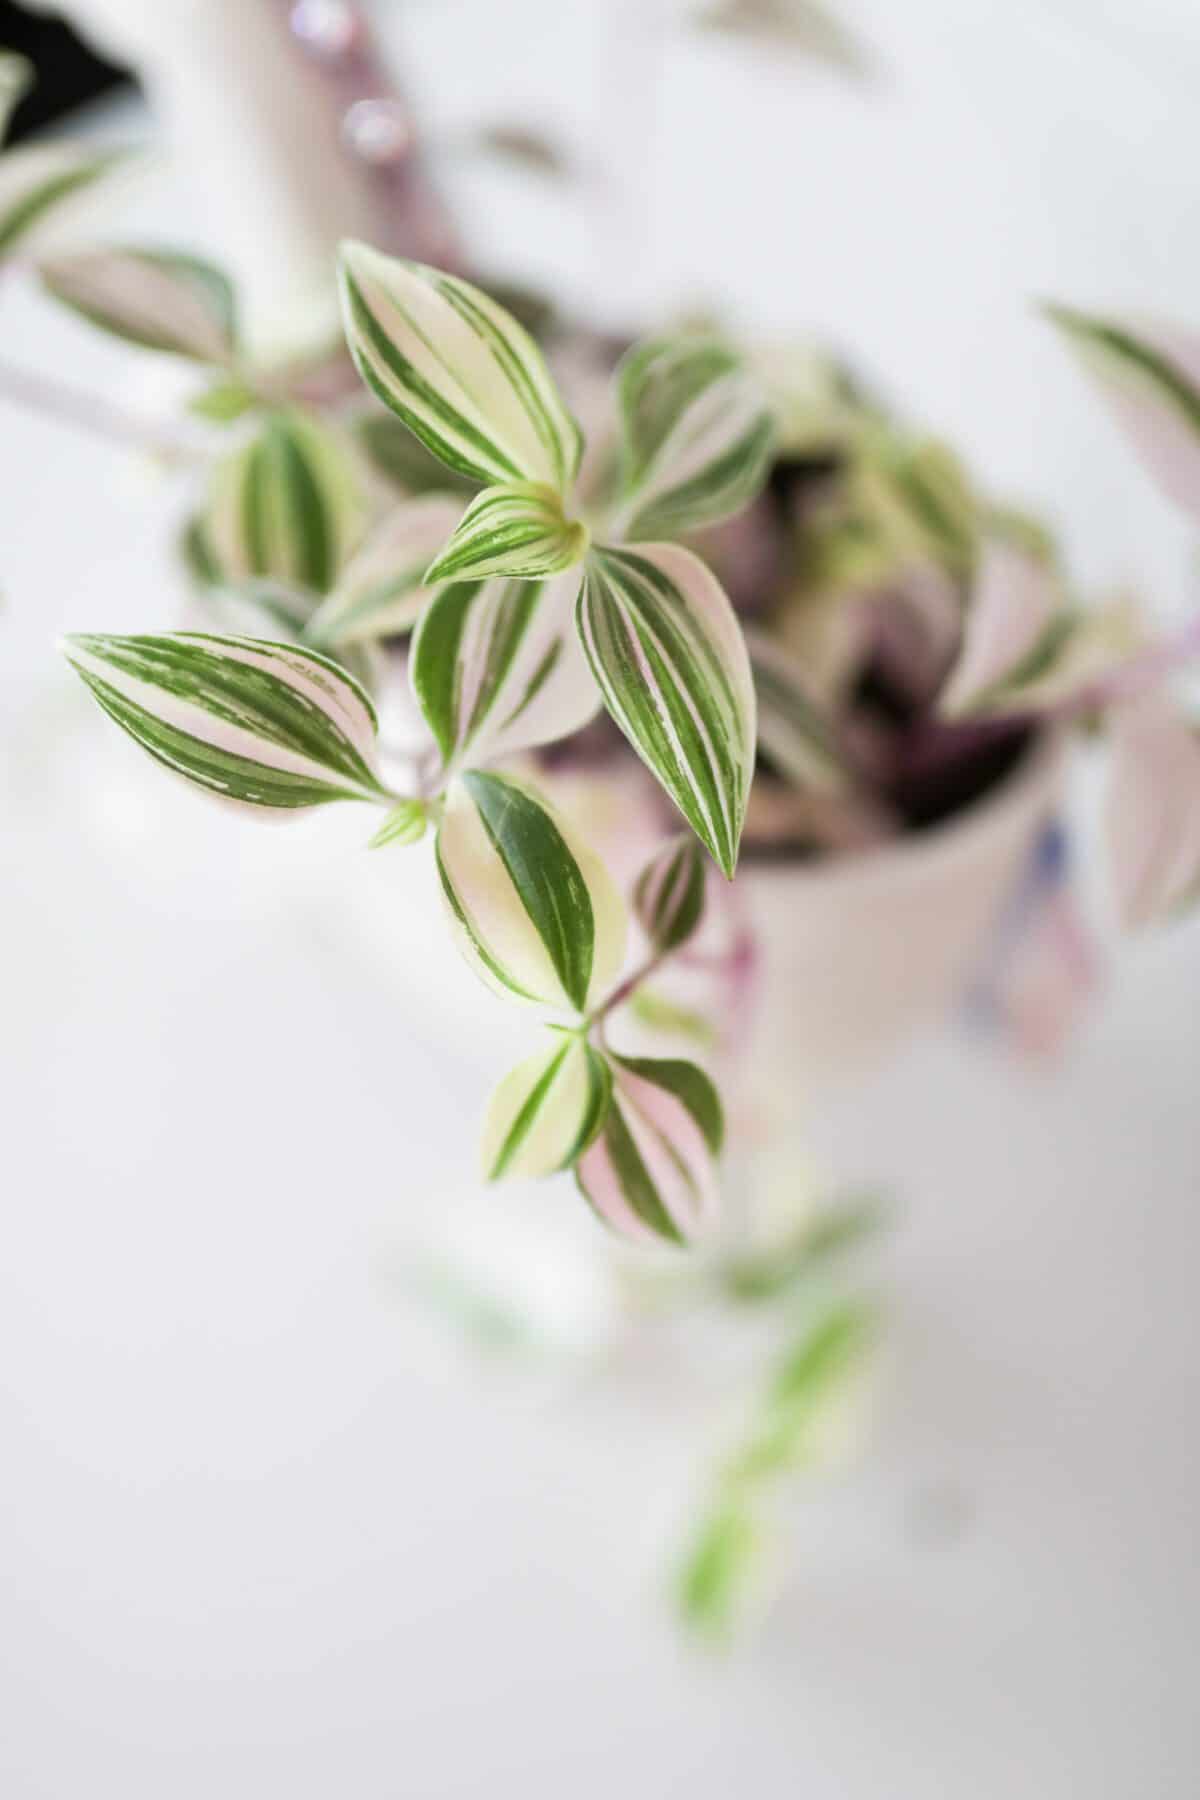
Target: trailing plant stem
pixel 88 412
pixel 596 1019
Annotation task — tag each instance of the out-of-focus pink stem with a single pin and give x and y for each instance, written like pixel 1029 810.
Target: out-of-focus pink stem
pixel 89 412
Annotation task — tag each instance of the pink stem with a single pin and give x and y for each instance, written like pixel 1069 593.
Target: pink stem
pixel 53 399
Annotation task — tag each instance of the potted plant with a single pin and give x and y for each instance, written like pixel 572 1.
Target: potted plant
pixel 758 620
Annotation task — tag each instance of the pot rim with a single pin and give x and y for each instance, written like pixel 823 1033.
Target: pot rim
pixel 1028 787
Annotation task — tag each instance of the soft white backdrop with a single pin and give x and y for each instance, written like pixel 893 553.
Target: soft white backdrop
pixel 264 1530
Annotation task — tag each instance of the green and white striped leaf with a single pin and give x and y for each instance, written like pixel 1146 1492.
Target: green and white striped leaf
pixel 668 898
pixel 1075 652
pixel 285 505
pixel 518 530
pixel 257 723
pixel 652 1172
pixel 1149 374
pixel 402 459
pixel 497 667
pixel 37 178
pixel 1014 601
pixel 281 612
pixel 533 908
pixel 382 590
pixel 546 1111
pixel 158 299
pixel 793 728
pixel 698 430
pixel 671 662
pixel 458 370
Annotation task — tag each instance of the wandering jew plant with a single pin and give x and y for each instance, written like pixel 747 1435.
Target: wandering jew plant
pixel 804 620
pixel 528 608
pixel 902 638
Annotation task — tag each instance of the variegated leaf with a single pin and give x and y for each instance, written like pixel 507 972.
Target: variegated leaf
pixel 382 590
pixel 534 910
pixel 405 824
pixel 286 505
pixel 671 662
pixel 546 1112
pixel 668 899
pixel 496 667
pixel 1015 599
pixel 36 178
pixel 258 723
pixel 1149 373
pixel 402 459
pixel 518 530
pixel 652 1171
pixel 1076 651
pixel 1153 812
pixel 159 299
pixel 458 370
pixel 793 728
pixel 697 430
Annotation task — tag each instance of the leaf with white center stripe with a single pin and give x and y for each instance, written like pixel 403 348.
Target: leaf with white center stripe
pixel 458 370
pixel 258 723
pixel 497 667
pixel 534 910
pixel 382 590
pixel 546 1112
pixel 1016 597
pixel 671 662
pixel 652 1172
pixel 517 530
pixel 265 608
pixel 286 505
pixel 698 431
pixel 668 899
pixel 1149 373
pixel 793 728
pixel 159 299
pixel 36 179
pixel 1153 811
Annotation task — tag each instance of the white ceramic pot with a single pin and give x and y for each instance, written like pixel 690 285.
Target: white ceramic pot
pixel 855 955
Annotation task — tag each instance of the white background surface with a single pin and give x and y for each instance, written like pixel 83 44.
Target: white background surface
pixel 261 1530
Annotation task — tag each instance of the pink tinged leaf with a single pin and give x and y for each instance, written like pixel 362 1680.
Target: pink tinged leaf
pixel 1015 598
pixel 674 1150
pixel 1153 812
pixel 651 1174
pixel 1149 374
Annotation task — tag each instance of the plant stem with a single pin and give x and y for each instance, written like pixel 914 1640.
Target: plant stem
pixel 88 412
pixel 623 990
